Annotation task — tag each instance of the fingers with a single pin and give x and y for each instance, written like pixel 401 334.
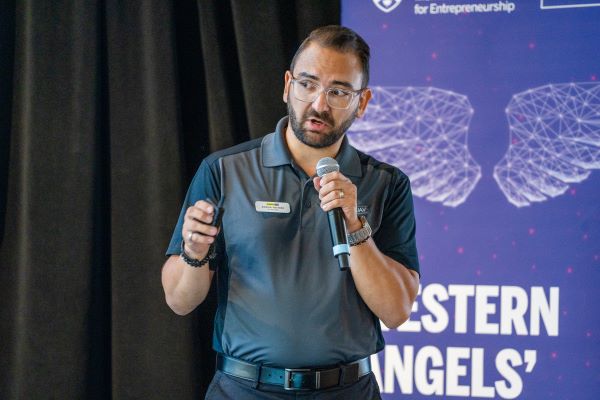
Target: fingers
pixel 201 211
pixel 197 232
pixel 336 191
pixel 333 176
pixel 317 183
pixel 329 203
pixel 200 223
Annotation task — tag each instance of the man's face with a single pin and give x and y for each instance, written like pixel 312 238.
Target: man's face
pixel 317 124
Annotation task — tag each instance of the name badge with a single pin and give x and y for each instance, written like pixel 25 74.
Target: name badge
pixel 272 207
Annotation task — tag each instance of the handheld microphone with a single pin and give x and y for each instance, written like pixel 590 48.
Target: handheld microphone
pixel 337 224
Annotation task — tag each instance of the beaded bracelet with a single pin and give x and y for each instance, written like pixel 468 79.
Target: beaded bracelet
pixel 195 262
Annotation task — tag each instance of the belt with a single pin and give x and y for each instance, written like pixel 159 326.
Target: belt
pixel 295 378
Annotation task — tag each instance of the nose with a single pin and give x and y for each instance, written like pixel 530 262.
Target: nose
pixel 320 103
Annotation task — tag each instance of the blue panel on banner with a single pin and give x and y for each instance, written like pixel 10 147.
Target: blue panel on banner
pixel 492 108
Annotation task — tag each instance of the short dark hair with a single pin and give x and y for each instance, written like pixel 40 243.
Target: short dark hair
pixel 342 39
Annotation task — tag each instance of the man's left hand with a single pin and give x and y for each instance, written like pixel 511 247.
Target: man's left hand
pixel 337 191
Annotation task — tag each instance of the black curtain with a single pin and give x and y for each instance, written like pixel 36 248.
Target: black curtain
pixel 106 109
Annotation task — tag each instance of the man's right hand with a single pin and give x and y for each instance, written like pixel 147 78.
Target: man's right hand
pixel 185 287
pixel 197 232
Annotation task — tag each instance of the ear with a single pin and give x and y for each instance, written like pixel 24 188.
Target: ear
pixel 286 88
pixel 363 100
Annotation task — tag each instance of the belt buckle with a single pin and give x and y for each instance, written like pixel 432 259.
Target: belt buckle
pixel 288 380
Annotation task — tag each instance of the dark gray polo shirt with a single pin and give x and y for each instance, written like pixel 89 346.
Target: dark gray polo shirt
pixel 282 299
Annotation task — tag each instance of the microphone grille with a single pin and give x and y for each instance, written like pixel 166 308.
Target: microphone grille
pixel 327 165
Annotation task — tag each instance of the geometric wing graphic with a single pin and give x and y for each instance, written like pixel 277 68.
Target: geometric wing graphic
pixel 554 141
pixel 423 131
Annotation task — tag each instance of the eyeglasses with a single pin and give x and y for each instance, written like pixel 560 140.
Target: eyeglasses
pixel 308 91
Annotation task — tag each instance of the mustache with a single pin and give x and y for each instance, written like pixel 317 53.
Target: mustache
pixel 323 116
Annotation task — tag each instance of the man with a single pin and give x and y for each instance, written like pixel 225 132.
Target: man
pixel 289 321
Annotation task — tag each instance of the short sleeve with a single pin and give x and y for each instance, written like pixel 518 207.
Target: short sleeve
pixel 205 185
pixel 396 234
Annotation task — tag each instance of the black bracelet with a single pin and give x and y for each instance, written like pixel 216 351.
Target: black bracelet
pixel 195 262
pixel 361 242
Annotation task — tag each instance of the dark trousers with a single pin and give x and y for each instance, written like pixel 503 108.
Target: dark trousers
pixel 225 387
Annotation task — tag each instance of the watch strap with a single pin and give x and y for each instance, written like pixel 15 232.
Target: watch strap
pixel 361 235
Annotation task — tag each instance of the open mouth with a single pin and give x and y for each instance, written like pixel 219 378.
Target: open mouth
pixel 317 123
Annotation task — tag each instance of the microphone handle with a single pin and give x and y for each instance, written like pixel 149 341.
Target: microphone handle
pixel 344 262
pixel 339 239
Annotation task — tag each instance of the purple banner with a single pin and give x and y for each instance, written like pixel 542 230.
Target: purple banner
pixel 493 110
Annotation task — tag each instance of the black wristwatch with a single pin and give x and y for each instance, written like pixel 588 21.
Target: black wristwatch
pixel 193 262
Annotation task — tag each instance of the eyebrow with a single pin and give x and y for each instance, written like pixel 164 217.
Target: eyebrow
pixel 316 78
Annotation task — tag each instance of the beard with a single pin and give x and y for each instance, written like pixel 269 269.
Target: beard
pixel 324 139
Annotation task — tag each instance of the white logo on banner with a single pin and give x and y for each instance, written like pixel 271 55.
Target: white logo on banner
pixel 422 131
pixel 554 140
pixel 387 5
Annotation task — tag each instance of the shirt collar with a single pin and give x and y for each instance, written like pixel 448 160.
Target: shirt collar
pixel 273 147
pixel 275 152
pixel 348 159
